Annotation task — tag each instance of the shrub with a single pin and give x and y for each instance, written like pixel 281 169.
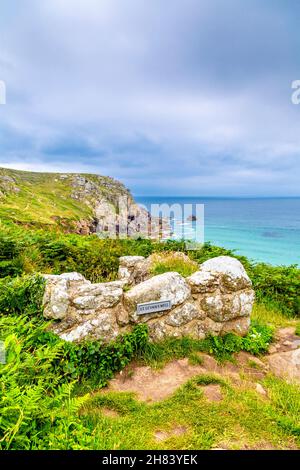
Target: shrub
pixel 10 250
pixel 22 295
pixel 258 339
pixel 27 251
pixel 277 285
pixel 37 409
pixel 90 359
pixel 96 362
pixel 37 412
pixel 173 261
pixel 54 252
pixel 256 342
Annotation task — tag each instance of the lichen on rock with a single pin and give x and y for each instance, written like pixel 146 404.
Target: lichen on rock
pixel 209 302
pixel 168 286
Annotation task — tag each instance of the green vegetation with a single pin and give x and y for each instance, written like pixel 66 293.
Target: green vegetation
pixel 46 201
pixel 277 287
pixel 39 200
pixel 28 251
pixel 54 201
pixel 50 395
pixel 286 398
pixel 196 359
pixel 43 399
pixel 88 360
pixel 172 262
pixel 44 407
pixel 42 410
pixel 22 295
pixel 241 420
pixel 37 408
pixel 265 313
pixel 256 342
pixel 209 379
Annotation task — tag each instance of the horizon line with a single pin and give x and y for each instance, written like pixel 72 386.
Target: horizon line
pixel 217 197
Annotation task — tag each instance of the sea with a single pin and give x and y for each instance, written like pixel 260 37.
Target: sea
pixel 263 229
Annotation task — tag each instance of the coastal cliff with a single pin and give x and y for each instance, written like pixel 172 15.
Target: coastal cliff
pixel 74 203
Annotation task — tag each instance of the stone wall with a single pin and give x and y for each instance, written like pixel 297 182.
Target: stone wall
pixel 216 299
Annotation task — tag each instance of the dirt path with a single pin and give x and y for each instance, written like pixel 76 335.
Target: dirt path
pixel 151 385
pixel 284 357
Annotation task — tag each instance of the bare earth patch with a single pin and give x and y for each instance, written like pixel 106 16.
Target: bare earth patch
pixel 212 392
pixel 284 360
pixel 151 385
pixel 155 385
pixel 285 340
pixel 286 365
pixel 254 368
pixel 163 435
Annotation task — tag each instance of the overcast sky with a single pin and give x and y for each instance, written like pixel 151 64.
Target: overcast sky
pixel 173 97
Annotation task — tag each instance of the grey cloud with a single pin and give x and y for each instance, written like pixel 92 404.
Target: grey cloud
pixel 184 96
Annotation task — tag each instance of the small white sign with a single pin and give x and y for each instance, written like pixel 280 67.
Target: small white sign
pixel 152 307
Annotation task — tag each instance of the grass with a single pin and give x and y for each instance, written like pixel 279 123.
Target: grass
pixel 196 359
pixel 158 354
pixel 80 419
pixel 272 316
pixel 45 199
pixel 253 364
pixel 173 262
pixel 48 412
pixel 52 251
pixel 73 416
pixel 209 379
pixel 42 202
pixel 242 419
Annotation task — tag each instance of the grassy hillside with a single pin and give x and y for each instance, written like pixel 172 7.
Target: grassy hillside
pixel 53 199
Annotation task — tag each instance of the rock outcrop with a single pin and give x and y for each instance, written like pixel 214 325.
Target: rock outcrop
pixel 113 206
pixel 136 269
pixel 96 204
pixel 7 184
pixel 217 299
pixel 284 355
pixel 286 365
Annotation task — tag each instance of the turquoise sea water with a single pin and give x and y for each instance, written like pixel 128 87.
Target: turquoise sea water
pixel 263 229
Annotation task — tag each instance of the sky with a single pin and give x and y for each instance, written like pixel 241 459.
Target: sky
pixel 172 97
